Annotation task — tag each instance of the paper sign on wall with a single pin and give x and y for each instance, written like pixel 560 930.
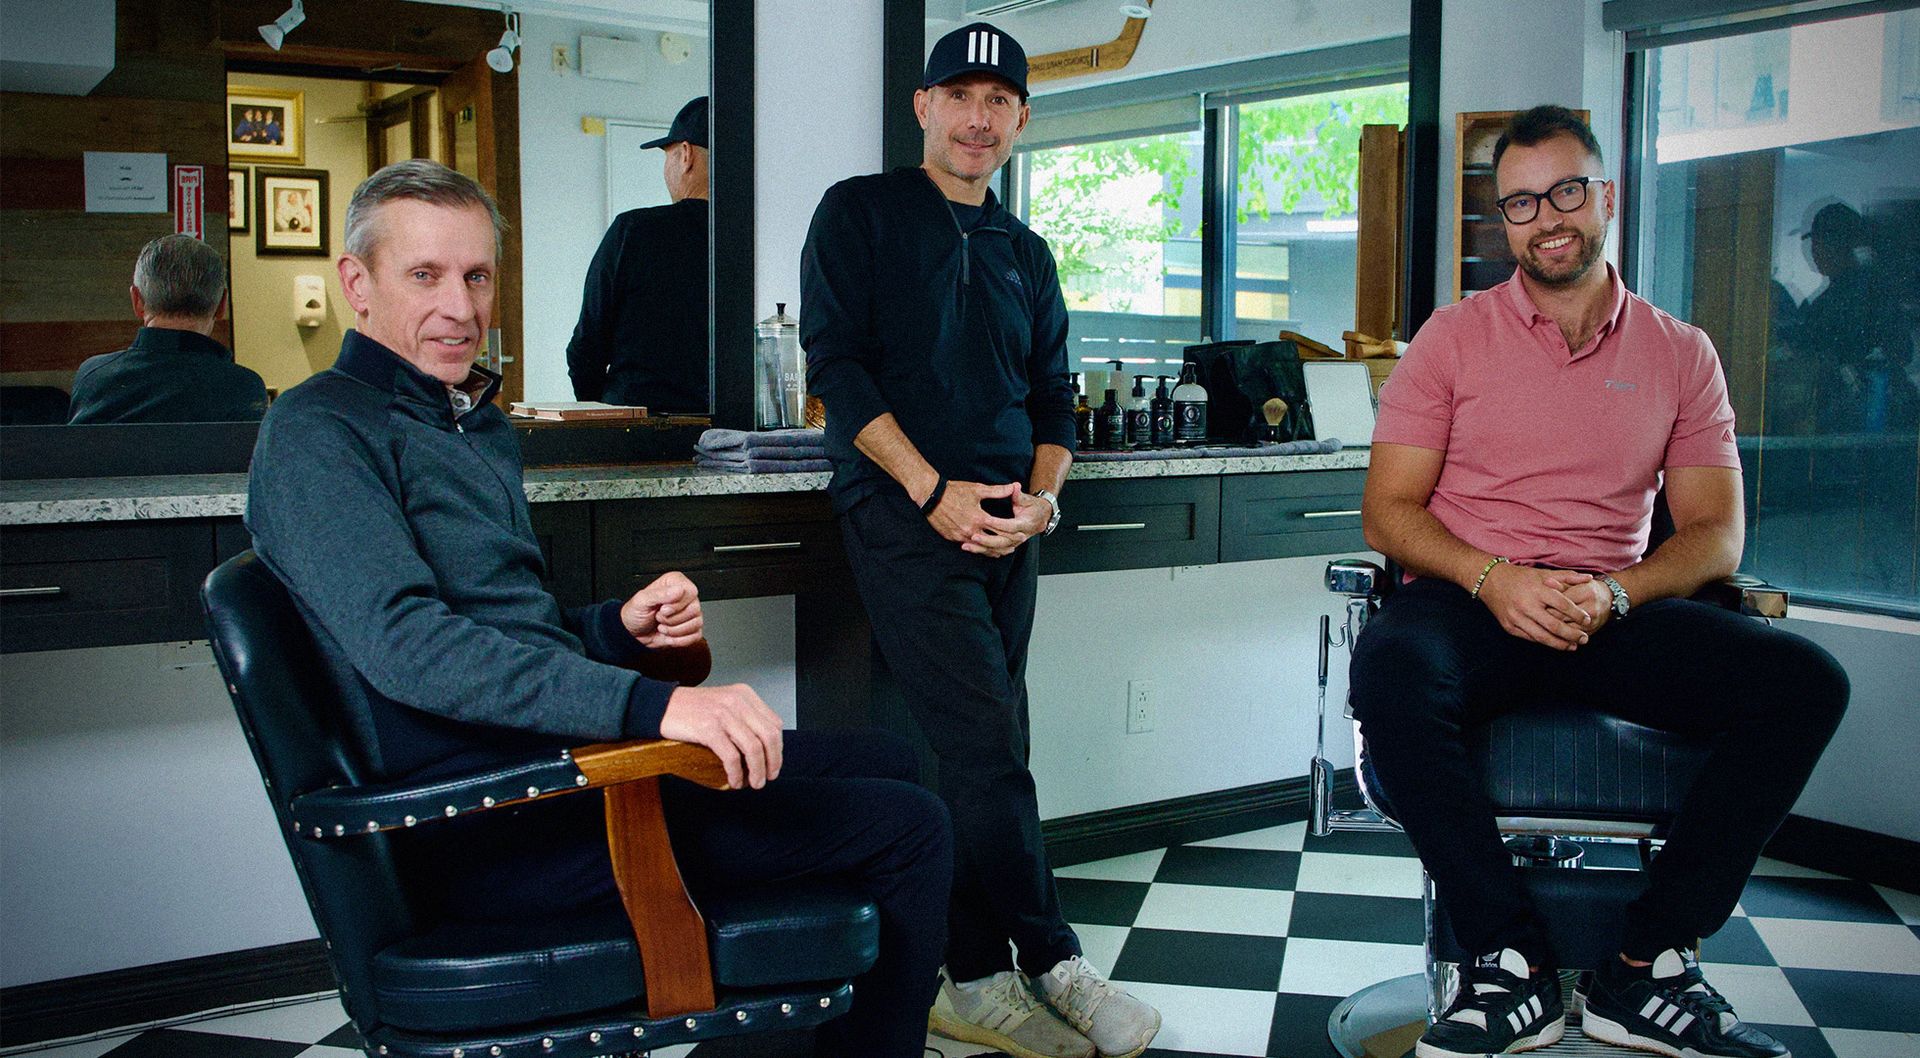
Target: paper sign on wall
pixel 126 182
pixel 189 199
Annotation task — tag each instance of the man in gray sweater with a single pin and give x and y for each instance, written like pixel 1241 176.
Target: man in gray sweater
pixel 386 493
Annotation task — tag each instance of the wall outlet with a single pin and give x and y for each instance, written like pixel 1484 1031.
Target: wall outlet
pixel 186 654
pixel 1185 571
pixel 1139 706
pixel 561 60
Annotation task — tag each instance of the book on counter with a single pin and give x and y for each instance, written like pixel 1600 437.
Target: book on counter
pixel 575 410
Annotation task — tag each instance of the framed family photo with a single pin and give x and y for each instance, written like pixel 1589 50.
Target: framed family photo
pixel 292 208
pixel 265 125
pixel 238 177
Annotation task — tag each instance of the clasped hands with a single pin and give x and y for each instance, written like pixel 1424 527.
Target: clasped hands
pixel 959 517
pixel 1556 608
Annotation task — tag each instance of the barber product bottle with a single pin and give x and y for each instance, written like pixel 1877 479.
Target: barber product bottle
pixel 1189 407
pixel 1139 415
pixel 1110 424
pixel 1162 415
pixel 1082 414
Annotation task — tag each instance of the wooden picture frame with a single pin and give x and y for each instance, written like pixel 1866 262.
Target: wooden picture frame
pixel 239 195
pixel 293 212
pixel 266 125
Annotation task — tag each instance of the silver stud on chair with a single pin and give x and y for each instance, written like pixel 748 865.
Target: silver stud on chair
pixel 594 1036
pixel 486 802
pixel 689 1023
pixel 825 1002
pixel 533 791
pixel 459 1052
pixel 383 1048
pixel 452 811
pixel 566 755
pixel 339 830
pixel 739 1015
pixel 494 1050
pixel 409 820
pixel 579 780
pixel 318 833
pixel 639 1031
pixel 372 825
pixel 786 1008
pixel 546 1043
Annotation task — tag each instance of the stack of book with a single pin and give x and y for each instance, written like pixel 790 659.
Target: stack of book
pixel 575 410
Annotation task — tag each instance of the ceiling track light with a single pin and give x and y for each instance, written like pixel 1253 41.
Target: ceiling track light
pixel 275 32
pixel 501 58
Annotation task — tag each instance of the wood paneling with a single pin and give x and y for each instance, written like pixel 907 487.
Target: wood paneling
pixel 1377 246
pixel 62 345
pixel 1732 272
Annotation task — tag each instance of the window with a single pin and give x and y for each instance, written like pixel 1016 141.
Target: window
pixel 1792 236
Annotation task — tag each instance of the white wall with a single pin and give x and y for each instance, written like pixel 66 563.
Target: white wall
pixel 563 176
pixel 1869 777
pixel 64 48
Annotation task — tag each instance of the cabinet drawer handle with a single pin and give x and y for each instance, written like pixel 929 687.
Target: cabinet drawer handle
pixel 29 593
pixel 784 545
pixel 1329 514
pixel 1104 527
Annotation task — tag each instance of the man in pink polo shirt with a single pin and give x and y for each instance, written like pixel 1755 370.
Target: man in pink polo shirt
pixel 1519 448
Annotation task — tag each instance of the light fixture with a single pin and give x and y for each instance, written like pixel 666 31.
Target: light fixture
pixel 501 58
pixel 1136 10
pixel 275 32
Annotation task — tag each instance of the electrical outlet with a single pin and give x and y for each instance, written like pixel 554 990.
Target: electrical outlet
pixel 186 654
pixel 1184 571
pixel 1139 706
pixel 561 60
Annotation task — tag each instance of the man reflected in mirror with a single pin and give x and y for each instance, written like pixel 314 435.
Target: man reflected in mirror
pixel 642 334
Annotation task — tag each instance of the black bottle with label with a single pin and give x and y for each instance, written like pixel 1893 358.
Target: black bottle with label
pixel 1139 415
pixel 1082 413
pixel 1162 412
pixel 1189 407
pixel 1110 424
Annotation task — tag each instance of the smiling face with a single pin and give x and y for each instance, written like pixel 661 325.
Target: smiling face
pixel 425 291
pixel 969 126
pixel 1556 249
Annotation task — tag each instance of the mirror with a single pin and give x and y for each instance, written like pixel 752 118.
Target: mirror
pixel 556 142
pixel 1194 165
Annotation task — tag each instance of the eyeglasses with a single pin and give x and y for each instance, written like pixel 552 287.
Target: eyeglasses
pixel 1566 196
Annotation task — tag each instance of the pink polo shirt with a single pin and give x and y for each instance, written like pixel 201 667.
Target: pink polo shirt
pixel 1553 456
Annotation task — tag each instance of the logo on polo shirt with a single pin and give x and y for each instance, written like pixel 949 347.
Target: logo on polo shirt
pixel 1624 387
pixel 983 46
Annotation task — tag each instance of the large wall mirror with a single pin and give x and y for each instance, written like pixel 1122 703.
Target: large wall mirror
pixel 283 136
pixel 1194 164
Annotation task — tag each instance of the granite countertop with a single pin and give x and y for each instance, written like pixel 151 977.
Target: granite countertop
pixel 68 500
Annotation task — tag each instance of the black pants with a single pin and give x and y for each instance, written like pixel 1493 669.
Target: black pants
pixel 1433 661
pixel 954 627
pixel 846 805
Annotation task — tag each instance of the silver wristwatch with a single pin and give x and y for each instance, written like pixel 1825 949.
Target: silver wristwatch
pixel 1054 502
pixel 1620 601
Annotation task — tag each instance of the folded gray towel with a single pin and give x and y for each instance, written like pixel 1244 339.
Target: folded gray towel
pixel 759 442
pixel 765 466
pixel 741 455
pixel 1279 448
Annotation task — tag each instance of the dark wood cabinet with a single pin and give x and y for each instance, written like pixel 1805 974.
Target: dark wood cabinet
pixel 1290 515
pixel 1135 523
pixel 565 532
pixel 732 546
pixel 102 584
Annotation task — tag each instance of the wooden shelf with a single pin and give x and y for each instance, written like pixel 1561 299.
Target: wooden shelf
pixel 1475 133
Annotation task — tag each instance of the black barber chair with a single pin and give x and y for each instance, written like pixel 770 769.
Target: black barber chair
pixel 596 983
pixel 1560 775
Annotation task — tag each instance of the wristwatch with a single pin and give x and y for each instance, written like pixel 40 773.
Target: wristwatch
pixel 1054 502
pixel 1620 601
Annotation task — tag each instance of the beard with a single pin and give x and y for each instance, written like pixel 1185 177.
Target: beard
pixel 1593 245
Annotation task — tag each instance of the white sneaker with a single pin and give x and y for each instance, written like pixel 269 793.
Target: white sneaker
pixel 1117 1023
pixel 1000 1012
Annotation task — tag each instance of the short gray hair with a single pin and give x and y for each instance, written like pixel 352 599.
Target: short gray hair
pixel 178 275
pixel 419 179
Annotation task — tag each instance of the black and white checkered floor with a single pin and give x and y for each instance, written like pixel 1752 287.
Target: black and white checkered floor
pixel 1245 943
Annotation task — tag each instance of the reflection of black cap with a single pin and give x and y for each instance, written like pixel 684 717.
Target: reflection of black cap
pixel 689 126
pixel 1838 223
pixel 977 48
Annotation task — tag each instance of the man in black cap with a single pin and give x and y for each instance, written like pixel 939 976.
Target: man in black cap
pixel 642 335
pixel 936 335
pixel 1853 331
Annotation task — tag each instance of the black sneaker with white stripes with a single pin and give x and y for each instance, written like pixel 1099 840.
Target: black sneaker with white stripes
pixel 1668 1008
pixel 1501 1009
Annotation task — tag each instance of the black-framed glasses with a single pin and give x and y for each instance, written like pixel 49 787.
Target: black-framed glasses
pixel 1566 196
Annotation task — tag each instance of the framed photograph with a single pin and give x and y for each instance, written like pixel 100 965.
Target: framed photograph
pixel 292 207
pixel 238 177
pixel 265 125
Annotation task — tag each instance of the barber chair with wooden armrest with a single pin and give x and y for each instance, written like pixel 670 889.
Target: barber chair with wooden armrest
pixel 585 983
pixel 1559 774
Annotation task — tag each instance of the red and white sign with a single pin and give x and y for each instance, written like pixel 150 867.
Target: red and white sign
pixel 189 199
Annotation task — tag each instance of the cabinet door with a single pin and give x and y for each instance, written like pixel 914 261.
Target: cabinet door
pixel 565 532
pixel 1288 515
pixel 102 584
pixel 1135 523
pixel 732 546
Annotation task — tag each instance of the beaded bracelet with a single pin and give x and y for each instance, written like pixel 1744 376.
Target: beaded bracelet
pixel 1481 581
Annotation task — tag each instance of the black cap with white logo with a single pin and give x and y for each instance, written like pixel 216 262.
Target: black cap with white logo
pixel 689 126
pixel 978 48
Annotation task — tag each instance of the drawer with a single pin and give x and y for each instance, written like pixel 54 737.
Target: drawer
pixel 1289 515
pixel 1135 523
pixel 106 584
pixel 732 546
pixel 565 532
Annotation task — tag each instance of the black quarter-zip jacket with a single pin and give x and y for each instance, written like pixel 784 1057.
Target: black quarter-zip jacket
pixel 960 334
pixel 402 532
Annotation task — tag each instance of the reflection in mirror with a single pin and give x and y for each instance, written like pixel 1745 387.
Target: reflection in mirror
pixel 1240 115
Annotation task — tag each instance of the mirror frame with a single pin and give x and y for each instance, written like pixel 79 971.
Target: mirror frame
pixel 143 449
